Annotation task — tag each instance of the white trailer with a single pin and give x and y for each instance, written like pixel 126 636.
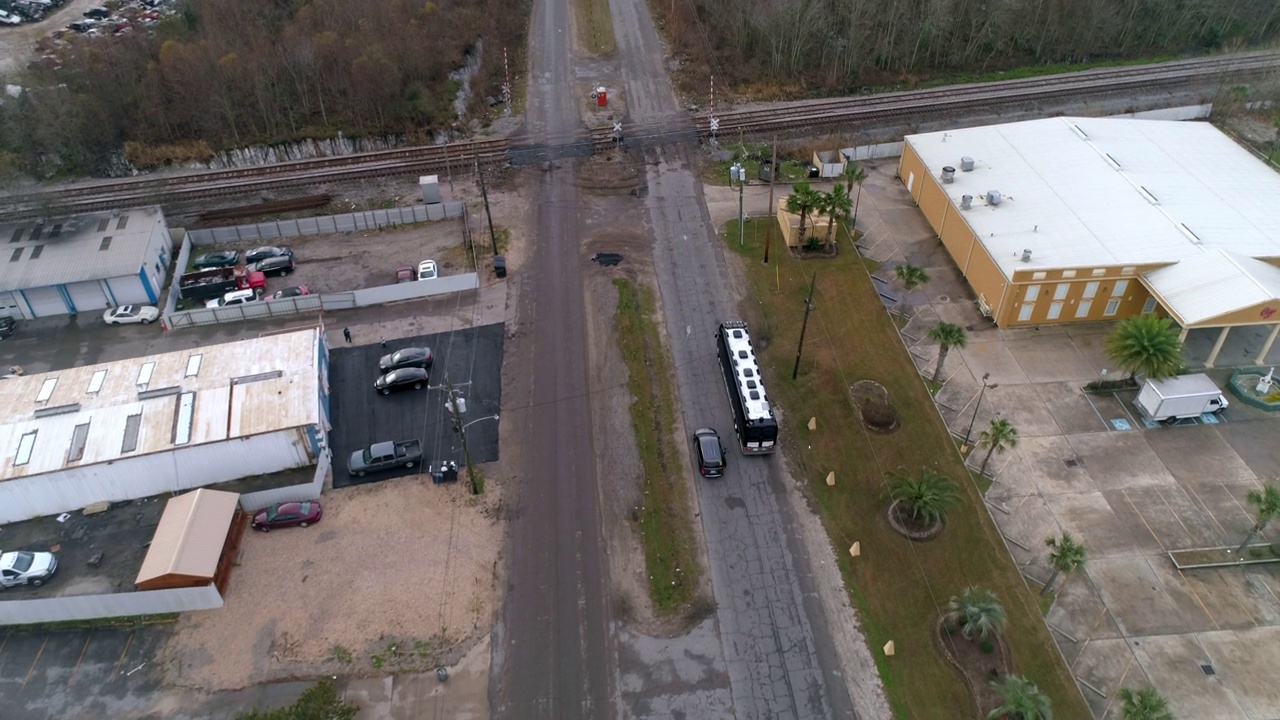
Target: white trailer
pixel 1177 398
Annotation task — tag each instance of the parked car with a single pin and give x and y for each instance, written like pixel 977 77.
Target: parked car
pixel 279 265
pixel 98 13
pixel 267 251
pixel 404 275
pixel 216 259
pixel 295 291
pixel 288 514
pixel 127 314
pixel 26 568
pixel 427 270
pixel 8 19
pixel 385 456
pixel 8 326
pixel 418 357
pixel 235 297
pixel 711 462
pixel 402 379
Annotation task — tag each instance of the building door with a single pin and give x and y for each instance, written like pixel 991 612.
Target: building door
pixel 9 305
pixel 45 301
pixel 88 296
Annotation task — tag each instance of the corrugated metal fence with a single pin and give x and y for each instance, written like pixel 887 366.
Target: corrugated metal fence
pixel 122 604
pixel 346 222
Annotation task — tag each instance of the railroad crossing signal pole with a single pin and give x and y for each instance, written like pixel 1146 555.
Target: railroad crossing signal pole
pixel 808 305
pixel 771 213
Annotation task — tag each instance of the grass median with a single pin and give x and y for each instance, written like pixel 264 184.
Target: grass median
pixel 898 586
pixel 664 519
pixel 595 26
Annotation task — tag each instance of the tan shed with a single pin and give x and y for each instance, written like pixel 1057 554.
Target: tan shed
pixel 195 542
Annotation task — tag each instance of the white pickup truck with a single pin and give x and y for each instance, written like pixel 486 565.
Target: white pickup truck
pixel 26 568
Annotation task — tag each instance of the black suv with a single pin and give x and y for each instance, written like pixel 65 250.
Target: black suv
pixel 402 379
pixel 279 265
pixel 710 452
pixel 7 327
pixel 415 357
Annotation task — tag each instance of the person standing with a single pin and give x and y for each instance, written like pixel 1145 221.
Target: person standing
pixel 346 334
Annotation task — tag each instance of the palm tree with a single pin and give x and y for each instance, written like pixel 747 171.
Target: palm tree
pixel 838 204
pixel 926 497
pixel 947 335
pixel 1146 344
pixel 1267 501
pixel 1067 554
pixel 856 176
pixel 802 200
pixel 1144 704
pixel 976 613
pixel 911 278
pixel 1022 700
pixel 999 436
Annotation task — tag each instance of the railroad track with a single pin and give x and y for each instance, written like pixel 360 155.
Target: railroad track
pixel 789 117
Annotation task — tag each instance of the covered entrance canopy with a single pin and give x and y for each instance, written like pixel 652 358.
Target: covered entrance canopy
pixel 188 545
pixel 1220 289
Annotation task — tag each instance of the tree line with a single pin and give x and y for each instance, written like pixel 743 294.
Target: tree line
pixel 239 72
pixel 809 46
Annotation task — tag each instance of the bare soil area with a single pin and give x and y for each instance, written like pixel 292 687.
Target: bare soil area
pixel 399 575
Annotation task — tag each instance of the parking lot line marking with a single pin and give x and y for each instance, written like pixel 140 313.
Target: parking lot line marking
pixel 4 642
pixel 80 659
pixel 1196 595
pixel 1174 513
pixel 32 669
pixel 115 672
pixel 1205 508
pixel 1138 512
pixel 1101 419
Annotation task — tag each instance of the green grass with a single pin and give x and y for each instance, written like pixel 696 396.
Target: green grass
pixel 751 155
pixel 595 26
pixel 666 527
pixel 96 623
pixel 898 586
pixel 1031 71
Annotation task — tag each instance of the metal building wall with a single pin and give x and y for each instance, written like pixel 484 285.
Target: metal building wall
pixel 124 604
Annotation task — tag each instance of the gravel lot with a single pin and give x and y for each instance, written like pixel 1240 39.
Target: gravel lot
pixel 402 561
pixel 17 42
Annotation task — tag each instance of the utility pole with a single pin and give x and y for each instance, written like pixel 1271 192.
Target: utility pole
pixel 484 195
pixel 808 305
pixel 739 173
pixel 771 213
pixel 477 485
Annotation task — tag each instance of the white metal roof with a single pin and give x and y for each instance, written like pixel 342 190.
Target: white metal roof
pixel 1088 192
pixel 1214 284
pixel 100 413
pixel 76 248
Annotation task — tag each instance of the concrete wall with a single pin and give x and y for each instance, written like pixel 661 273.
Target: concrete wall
pixel 327 224
pixel 124 604
pixel 251 502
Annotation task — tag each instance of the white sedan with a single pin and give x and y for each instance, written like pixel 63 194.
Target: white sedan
pixel 427 270
pixel 130 314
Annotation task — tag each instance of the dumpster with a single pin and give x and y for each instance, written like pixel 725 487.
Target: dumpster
pixel 500 265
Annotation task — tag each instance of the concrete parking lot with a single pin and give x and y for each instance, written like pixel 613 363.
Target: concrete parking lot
pixel 470 358
pixel 1087 464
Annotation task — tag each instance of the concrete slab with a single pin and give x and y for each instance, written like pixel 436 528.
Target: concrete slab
pixel 994 358
pixel 1078 611
pixel 1115 415
pixel 1246 662
pixel 1090 340
pixel 1255 443
pixel 1233 598
pixel 1135 595
pixel 1051 358
pixel 1026 521
pixel 1071 408
pixel 1089 517
pixel 1176 520
pixel 1098 667
pixel 1173 664
pixel 1037 465
pixel 1191 608
pixel 1119 460
pixel 1199 454
pixel 1227 505
pixel 1022 406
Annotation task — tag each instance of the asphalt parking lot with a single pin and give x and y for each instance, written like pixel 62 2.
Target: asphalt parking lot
pixel 471 358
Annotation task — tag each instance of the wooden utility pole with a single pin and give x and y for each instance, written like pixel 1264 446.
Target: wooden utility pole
pixel 771 214
pixel 808 305
pixel 477 485
pixel 484 195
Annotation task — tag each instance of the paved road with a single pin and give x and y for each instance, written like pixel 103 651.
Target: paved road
pixel 772 628
pixel 553 656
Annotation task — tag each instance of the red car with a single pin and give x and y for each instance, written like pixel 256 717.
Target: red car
pixel 405 274
pixel 281 515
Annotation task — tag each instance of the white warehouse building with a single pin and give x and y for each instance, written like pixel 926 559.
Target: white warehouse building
pixel 162 423
pixel 83 263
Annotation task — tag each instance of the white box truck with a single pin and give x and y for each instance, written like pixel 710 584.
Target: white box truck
pixel 1177 398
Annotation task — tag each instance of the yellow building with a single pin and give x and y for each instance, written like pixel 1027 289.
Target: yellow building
pixel 1085 219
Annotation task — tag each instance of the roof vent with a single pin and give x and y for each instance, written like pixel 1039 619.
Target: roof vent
pixel 993 197
pixel 966 201
pixel 948 174
pixel 1026 256
pixel 966 163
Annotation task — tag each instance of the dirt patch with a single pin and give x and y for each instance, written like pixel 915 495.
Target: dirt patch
pixel 978 663
pixel 901 521
pixel 872 401
pixel 398 575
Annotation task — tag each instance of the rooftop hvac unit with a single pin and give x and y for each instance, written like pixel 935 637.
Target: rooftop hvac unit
pixel 1026 256
pixel 966 163
pixel 993 197
pixel 966 201
pixel 948 174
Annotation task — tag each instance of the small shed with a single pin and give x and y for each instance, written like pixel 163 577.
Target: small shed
pixel 195 543
pixel 830 163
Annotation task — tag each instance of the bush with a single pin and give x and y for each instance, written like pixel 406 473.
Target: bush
pixel 320 702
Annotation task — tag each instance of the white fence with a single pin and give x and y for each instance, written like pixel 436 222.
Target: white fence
pixel 250 502
pixel 121 604
pixel 327 224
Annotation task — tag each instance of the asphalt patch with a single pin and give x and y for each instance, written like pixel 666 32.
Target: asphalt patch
pixel 470 358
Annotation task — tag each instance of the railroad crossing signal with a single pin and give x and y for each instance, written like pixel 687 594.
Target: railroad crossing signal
pixel 617 132
pixel 715 128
